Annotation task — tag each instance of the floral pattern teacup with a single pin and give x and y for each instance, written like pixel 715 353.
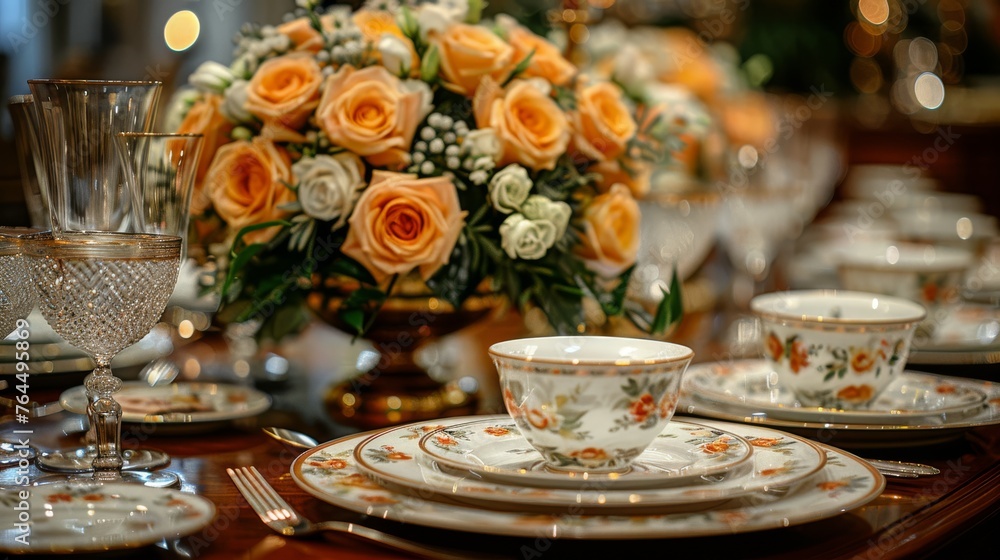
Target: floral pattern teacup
pixel 836 349
pixel 590 402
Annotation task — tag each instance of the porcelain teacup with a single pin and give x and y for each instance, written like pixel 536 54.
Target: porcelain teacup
pixel 590 403
pixel 836 349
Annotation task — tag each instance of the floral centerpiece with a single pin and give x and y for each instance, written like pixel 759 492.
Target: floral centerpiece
pixel 402 143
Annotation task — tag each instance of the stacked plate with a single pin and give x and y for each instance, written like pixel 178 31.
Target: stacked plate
pixel 916 408
pixel 479 474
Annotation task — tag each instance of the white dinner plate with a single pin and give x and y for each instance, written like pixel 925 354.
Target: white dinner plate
pixel 329 472
pixel 911 398
pixel 75 518
pixel 776 463
pixel 494 449
pixel 177 403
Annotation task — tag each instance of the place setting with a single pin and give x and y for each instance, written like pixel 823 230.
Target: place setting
pixel 590 449
pixel 835 363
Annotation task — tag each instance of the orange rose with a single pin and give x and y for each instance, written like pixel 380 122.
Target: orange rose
pixel 373 114
pixel 602 122
pixel 856 393
pixel 374 24
pixel 247 184
pixel 284 91
pixel 547 62
pixel 402 222
pixel 611 232
pixel 468 54
pixel 303 35
pixel 532 129
pixel 634 174
pixel 204 118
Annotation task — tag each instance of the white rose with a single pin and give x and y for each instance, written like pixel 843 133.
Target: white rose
pixel 329 186
pixel 211 77
pixel 233 105
pixel 539 207
pixel 526 239
pixel 482 142
pixel 509 188
pixel 395 55
pixel 432 18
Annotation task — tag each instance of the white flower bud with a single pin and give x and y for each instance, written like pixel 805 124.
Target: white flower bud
pixel 211 77
pixel 509 188
pixel 436 146
pixel 329 186
pixel 395 54
pixel 433 19
pixel 526 239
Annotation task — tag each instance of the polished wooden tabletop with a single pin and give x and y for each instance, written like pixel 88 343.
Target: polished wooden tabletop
pixel 949 513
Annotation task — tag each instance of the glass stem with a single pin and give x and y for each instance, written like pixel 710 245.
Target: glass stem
pixel 105 419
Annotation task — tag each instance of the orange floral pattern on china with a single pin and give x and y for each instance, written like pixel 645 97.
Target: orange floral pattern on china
pixel 60 497
pixel 358 480
pixel 831 485
pixel 446 440
pixel 93 497
pixel 774 347
pixel 720 445
pixel 764 442
pixel 496 431
pixel 945 389
pixel 335 464
pixel 798 357
pixel 642 407
pixel 590 454
pixel 775 471
pixel 856 393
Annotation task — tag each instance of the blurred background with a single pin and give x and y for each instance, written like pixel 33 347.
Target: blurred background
pixel 896 70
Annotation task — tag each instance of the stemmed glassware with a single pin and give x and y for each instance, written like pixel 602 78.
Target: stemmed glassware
pixel 103 278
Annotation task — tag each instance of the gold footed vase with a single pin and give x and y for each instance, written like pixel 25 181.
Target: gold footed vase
pixel 390 386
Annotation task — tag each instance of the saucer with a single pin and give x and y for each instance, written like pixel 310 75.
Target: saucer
pixel 330 473
pixel 777 462
pixel 177 403
pixel 75 518
pixel 966 333
pixel 494 449
pixel 911 398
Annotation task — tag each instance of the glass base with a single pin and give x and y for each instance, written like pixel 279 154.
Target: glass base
pixel 152 479
pixel 81 460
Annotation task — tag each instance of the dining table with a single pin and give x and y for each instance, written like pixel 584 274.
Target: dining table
pixel 954 512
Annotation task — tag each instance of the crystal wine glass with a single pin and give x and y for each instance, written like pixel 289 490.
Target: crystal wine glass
pixel 102 281
pixel 17 297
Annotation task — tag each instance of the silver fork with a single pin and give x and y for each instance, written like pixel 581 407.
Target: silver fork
pixel 275 512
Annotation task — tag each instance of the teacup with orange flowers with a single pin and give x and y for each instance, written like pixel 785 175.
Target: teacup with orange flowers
pixel 836 349
pixel 590 403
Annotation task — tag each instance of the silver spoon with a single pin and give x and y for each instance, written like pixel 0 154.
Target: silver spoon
pixel 291 437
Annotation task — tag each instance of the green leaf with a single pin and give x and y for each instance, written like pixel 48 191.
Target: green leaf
pixel 354 318
pixel 475 13
pixel 670 311
pixel 430 65
pixel 519 69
